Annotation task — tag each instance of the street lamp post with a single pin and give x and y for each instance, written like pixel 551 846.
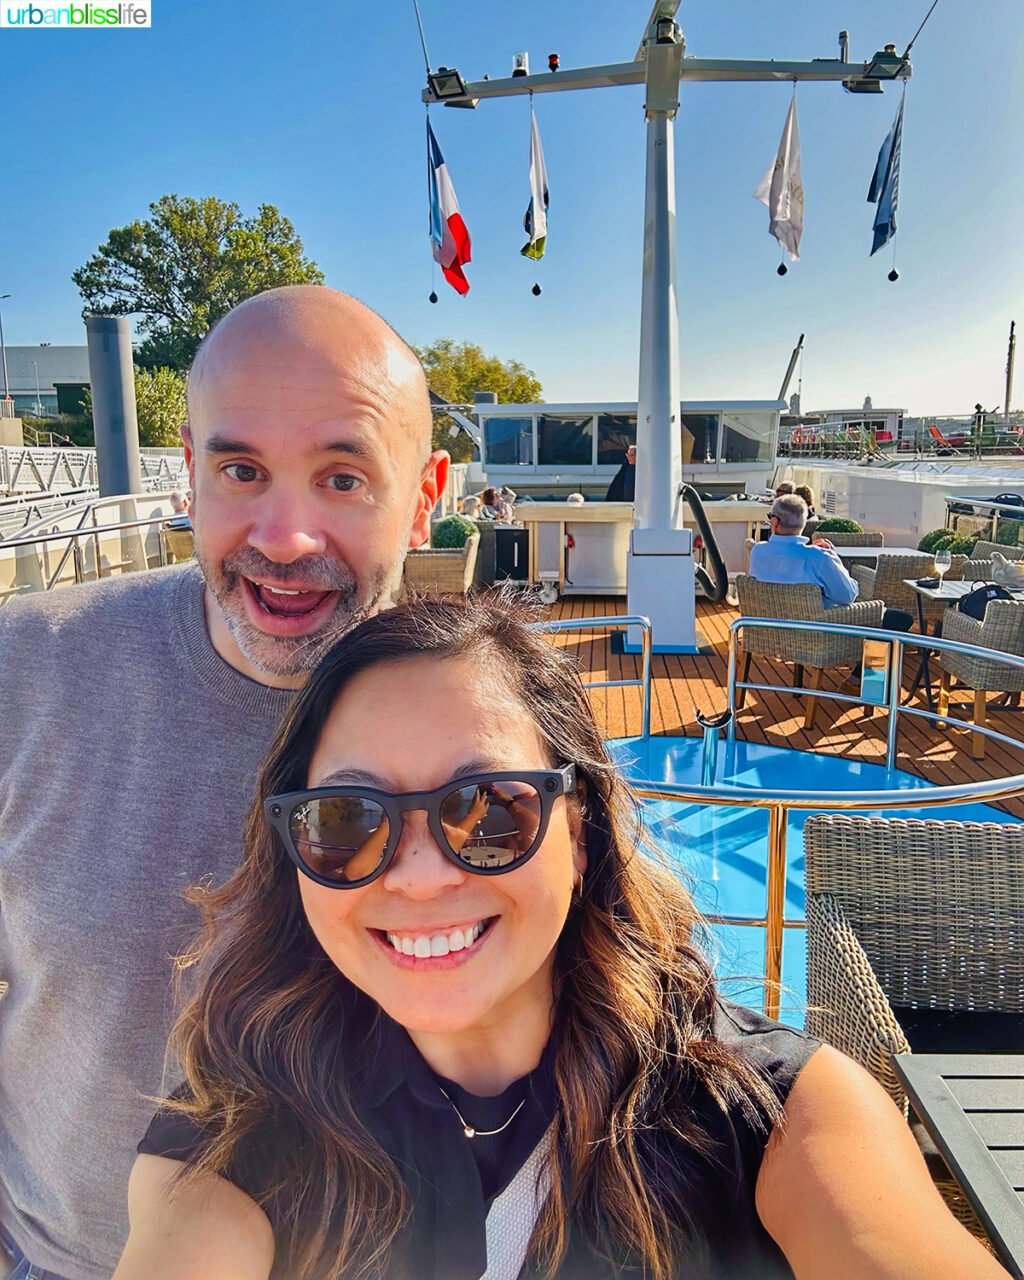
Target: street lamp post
pixel 3 352
pixel 39 407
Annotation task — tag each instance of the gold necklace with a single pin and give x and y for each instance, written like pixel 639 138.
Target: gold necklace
pixel 468 1129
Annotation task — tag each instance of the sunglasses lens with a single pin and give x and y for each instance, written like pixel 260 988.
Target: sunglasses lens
pixel 340 837
pixel 491 824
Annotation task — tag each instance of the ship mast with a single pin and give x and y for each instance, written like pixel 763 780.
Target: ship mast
pixel 660 572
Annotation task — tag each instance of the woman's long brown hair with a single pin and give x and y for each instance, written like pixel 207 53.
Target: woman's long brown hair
pixel 269 1040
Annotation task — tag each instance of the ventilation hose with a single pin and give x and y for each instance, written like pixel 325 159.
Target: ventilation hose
pixel 716 583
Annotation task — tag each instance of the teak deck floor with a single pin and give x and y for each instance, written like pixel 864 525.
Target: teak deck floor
pixel 682 683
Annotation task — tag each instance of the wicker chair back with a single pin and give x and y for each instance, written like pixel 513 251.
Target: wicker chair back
pixel 938 907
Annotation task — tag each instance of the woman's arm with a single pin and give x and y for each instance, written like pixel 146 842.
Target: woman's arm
pixel 203 1229
pixel 844 1191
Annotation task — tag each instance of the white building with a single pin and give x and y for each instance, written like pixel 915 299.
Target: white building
pixel 34 372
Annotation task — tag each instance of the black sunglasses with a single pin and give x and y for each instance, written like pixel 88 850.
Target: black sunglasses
pixel 488 823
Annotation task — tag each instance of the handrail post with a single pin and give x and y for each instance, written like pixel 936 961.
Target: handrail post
pixel 895 689
pixel 646 644
pixel 776 907
pixel 730 730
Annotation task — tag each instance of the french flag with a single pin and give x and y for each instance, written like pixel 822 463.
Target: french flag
pixel 447 230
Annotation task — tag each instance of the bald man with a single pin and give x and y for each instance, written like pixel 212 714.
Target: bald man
pixel 136 712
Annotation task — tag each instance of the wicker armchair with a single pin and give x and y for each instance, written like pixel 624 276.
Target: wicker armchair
pixel 800 602
pixel 920 915
pixel 885 582
pixel 441 569
pixel 983 551
pixel 977 570
pixel 1002 629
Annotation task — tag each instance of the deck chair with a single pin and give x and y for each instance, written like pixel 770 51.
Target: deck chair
pixel 1001 629
pixel 800 602
pixel 886 582
pixel 940 442
pixel 915 939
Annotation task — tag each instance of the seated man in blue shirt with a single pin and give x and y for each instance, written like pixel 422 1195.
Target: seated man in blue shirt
pixel 789 557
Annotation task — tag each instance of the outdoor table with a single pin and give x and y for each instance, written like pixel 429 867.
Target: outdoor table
pixel 973 1107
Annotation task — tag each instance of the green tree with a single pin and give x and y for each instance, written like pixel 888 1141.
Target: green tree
pixel 456 369
pixel 187 265
pixel 160 405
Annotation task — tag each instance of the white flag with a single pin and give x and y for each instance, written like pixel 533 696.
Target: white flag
pixel 782 189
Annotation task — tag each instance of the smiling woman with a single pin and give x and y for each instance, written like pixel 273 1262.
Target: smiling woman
pixel 452 1020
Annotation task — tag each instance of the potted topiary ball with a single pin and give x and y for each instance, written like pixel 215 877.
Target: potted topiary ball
pixel 452 532
pixel 937 538
pixel 838 524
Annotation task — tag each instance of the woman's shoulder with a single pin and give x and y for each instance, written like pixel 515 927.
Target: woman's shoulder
pixel 779 1052
pixel 172 1132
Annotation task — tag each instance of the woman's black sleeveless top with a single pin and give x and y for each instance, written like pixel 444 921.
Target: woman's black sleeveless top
pixel 452 1180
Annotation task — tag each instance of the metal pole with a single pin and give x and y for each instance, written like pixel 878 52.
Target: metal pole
pixel 3 350
pixel 39 407
pixel 776 909
pixel 1009 372
pixel 895 685
pixel 113 399
pixel 645 675
pixel 730 732
pixel 659 452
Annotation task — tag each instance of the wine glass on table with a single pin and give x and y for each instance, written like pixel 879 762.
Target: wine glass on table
pixel 943 560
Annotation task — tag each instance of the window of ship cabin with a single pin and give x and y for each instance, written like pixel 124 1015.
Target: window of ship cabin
pixel 747 437
pixel 615 433
pixel 565 441
pixel 508 442
pixel 699 437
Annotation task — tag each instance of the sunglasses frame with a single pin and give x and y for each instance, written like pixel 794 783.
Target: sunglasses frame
pixel 549 784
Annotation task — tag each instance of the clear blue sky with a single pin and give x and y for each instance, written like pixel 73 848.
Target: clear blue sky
pixel 320 115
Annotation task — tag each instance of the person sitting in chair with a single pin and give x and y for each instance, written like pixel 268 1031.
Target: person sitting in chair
pixel 787 556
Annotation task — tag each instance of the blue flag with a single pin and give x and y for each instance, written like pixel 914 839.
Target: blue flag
pixel 885 184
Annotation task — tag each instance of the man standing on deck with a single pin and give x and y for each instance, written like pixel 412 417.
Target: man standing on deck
pixel 623 485
pixel 136 713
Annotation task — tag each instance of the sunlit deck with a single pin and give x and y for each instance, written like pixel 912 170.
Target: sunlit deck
pixel 683 683
pixel 725 852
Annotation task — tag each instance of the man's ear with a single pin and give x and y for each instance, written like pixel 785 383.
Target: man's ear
pixel 432 483
pixel 185 431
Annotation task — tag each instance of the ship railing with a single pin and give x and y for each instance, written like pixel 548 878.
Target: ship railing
pixel 19 512
pixel 74 554
pixel 779 804
pixel 983 508
pixel 24 469
pixel 616 622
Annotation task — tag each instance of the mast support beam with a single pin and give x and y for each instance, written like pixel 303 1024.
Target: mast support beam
pixel 692 69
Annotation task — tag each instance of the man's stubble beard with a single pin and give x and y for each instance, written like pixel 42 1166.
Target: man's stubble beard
pixel 294 656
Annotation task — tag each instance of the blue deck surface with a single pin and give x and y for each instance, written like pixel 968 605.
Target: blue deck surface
pixel 722 852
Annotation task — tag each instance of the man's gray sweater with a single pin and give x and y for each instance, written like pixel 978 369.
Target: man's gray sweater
pixel 128 757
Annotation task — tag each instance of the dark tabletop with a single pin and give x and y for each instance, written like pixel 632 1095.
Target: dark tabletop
pixel 973 1107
